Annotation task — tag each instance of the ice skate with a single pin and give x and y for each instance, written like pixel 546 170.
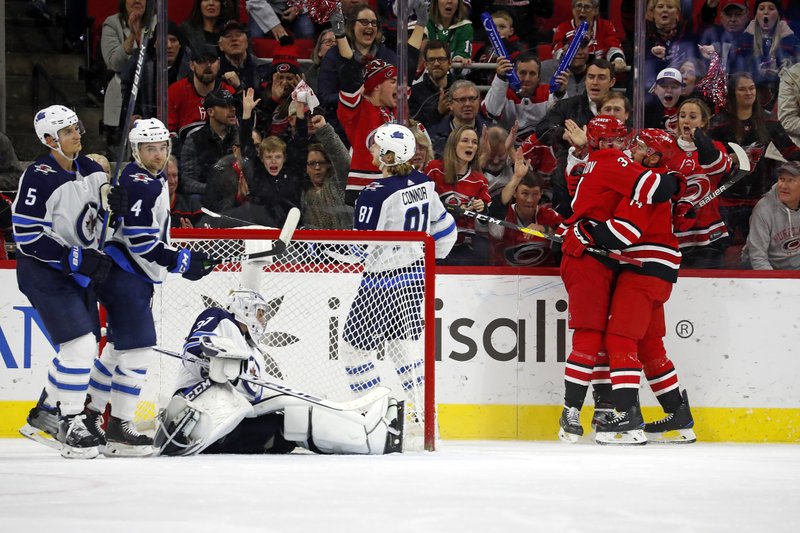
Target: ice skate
pixel 42 424
pixel 624 428
pixel 76 439
pixel 603 410
pixel 123 440
pixel 675 428
pixel 571 429
pixel 94 423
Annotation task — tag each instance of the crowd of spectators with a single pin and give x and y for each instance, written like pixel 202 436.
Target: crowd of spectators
pixel 251 141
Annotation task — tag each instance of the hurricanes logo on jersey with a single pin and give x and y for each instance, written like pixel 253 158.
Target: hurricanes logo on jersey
pixel 455 198
pixel 44 169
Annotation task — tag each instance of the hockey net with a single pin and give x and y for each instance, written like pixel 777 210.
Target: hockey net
pixel 373 288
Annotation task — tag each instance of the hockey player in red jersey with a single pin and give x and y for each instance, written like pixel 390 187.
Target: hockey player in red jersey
pixel 635 330
pixel 609 177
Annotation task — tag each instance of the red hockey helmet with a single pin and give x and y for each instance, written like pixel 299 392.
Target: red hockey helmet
pixel 659 142
pixel 605 127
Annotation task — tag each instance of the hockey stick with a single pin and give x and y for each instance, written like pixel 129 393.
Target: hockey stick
pixel 553 238
pixel 353 405
pixel 744 170
pixel 212 214
pixel 278 246
pixel 126 125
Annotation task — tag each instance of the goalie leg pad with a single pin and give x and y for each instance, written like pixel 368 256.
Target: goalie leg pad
pixel 378 431
pixel 192 423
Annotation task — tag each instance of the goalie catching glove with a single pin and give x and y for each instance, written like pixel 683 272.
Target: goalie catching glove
pixel 576 239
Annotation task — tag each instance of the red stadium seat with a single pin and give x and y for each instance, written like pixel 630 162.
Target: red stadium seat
pixel 544 52
pixel 264 47
pixel 179 10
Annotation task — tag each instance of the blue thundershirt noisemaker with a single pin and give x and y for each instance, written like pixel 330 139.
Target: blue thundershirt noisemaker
pixel 569 55
pixel 499 47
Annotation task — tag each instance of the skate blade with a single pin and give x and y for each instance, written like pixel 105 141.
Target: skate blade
pixel 116 449
pixel 569 438
pixel 40 436
pixel 70 452
pixel 678 436
pixel 634 437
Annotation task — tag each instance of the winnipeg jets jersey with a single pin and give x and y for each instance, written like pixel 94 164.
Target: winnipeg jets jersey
pixel 403 203
pixel 56 208
pixel 140 243
pixel 216 322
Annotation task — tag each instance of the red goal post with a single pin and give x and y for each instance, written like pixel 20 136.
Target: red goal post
pixel 311 290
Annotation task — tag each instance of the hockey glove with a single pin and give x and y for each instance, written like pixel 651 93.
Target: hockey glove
pixel 576 239
pixel 337 22
pixel 707 153
pixel 680 185
pixel 198 266
pixel 93 264
pixel 573 178
pixel 683 216
pixel 118 201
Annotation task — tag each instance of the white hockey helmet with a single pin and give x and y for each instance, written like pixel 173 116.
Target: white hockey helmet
pixel 249 308
pixel 396 139
pixel 51 120
pixel 148 130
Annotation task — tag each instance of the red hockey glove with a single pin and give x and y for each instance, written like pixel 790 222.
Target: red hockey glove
pixel 576 239
pixel 680 185
pixel 574 177
pixel 683 216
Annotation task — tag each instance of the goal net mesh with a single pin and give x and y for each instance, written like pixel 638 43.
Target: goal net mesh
pixel 338 302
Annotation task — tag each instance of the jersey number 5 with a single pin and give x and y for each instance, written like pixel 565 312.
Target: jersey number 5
pixel 415 222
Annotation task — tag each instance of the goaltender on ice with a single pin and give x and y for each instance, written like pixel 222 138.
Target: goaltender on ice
pixel 218 409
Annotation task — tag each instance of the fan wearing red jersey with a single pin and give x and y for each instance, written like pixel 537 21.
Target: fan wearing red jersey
pixel 701 232
pixel 635 330
pixel 459 182
pixel 609 177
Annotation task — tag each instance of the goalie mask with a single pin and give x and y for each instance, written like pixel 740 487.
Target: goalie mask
pixel 148 130
pixel 250 309
pixel 51 120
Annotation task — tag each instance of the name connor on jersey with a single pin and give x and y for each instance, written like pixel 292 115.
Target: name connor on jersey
pixel 412 196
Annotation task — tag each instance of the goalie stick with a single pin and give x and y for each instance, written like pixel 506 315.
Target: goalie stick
pixel 353 405
pixel 126 125
pixel 490 220
pixel 278 246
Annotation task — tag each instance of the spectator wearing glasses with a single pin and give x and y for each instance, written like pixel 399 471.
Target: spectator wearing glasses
pixel 186 95
pixel 359 38
pixel 428 101
pixel 604 43
pixel 465 102
pixel 237 66
pixel 325 42
pixel 327 164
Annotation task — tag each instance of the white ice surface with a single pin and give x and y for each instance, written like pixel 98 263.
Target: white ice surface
pixel 465 487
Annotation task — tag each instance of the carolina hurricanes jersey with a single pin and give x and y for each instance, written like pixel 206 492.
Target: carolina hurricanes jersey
pixel 140 244
pixel 360 117
pixel 604 42
pixel 185 105
pixel 515 248
pixel 56 208
pixel 216 322
pixel 407 203
pixel 473 185
pixel 610 176
pixel 700 181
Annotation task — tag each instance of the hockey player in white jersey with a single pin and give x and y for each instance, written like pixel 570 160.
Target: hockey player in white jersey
pixel 390 294
pixel 214 412
pixel 55 223
pixel 142 257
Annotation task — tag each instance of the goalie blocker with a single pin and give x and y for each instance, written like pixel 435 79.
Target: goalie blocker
pixel 213 416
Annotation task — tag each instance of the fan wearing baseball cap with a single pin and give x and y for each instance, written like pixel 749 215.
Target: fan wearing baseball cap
pixel 661 108
pixel 734 15
pixel 237 66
